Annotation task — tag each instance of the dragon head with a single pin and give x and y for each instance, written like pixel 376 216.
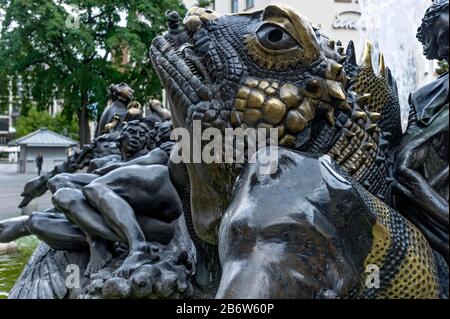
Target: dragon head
pixel 266 69
pixel 273 70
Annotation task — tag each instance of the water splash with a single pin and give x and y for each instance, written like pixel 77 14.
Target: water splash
pixel 391 26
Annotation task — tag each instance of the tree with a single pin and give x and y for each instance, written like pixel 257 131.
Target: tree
pixel 34 120
pixel 442 67
pixel 75 59
pixel 205 3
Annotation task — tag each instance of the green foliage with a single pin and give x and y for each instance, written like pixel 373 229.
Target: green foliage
pixel 204 3
pixel 3 97
pixel 442 67
pixel 58 60
pixel 35 119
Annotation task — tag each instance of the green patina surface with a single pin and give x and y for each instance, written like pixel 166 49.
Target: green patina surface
pixel 11 265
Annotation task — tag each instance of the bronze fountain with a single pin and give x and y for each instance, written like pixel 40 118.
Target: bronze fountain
pixel 349 191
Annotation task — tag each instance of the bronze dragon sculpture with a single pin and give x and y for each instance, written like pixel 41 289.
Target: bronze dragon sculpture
pixel 320 225
pixel 274 69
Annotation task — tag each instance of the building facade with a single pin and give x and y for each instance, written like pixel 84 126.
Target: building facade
pixel 7 121
pixel 337 18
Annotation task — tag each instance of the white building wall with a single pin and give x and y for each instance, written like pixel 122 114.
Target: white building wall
pixel 323 13
pixel 52 156
pixel 190 3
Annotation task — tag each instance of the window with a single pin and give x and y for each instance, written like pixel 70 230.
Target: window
pixel 234 6
pixel 249 4
pixel 4 124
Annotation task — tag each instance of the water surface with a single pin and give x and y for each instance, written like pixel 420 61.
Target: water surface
pixel 11 265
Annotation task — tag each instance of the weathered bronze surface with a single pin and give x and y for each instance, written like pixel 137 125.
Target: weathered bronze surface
pixel 273 68
pixel 300 246
pixel 422 163
pixel 309 229
pixel 119 95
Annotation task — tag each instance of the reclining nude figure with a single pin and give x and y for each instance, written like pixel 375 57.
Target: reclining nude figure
pixel 132 204
pixel 102 151
pixel 131 143
pixel 113 209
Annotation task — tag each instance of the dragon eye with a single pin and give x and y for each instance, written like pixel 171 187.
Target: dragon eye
pixel 273 37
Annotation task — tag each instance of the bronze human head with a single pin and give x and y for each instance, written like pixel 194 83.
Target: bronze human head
pixel 433 33
pixel 134 137
pixel 121 92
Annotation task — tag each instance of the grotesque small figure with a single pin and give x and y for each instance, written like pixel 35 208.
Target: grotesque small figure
pixel 158 110
pixel 158 138
pixel 175 32
pixel 134 112
pixel 134 105
pixel 120 95
pixel 173 20
pixel 111 126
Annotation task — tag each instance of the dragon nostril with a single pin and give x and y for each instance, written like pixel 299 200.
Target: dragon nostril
pixel 275 35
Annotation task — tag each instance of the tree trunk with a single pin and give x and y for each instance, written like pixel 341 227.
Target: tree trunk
pixel 83 121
